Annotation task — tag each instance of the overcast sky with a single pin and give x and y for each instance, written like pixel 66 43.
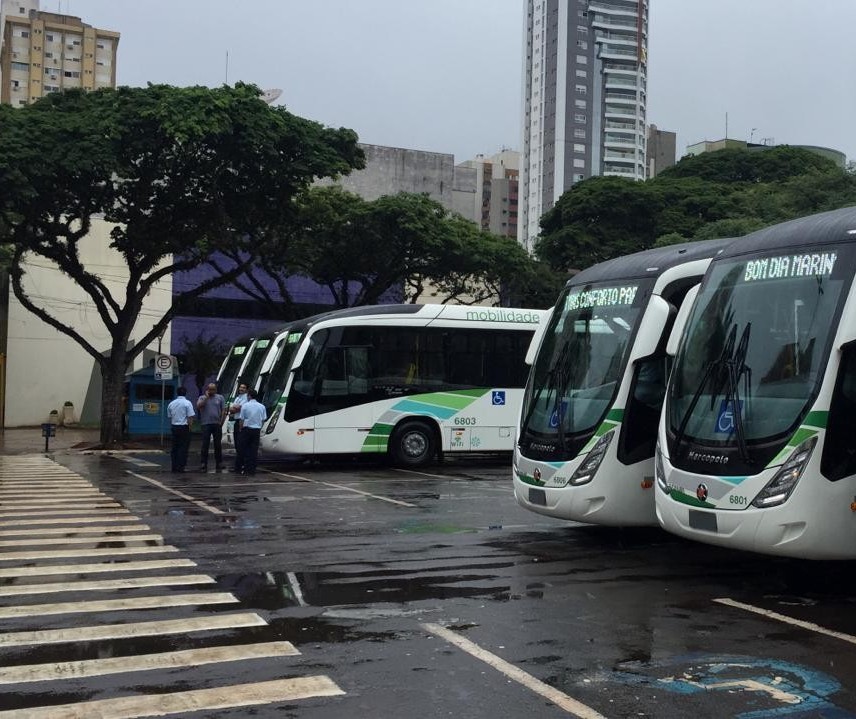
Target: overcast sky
pixel 445 75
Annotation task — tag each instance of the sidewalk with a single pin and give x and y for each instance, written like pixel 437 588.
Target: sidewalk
pixel 29 440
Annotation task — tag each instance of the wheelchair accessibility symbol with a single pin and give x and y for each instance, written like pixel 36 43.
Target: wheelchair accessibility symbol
pixel 497 397
pixel 725 422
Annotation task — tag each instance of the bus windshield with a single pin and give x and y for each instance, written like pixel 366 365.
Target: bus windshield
pixel 276 379
pixel 254 363
pixel 229 373
pixel 755 349
pixel 579 364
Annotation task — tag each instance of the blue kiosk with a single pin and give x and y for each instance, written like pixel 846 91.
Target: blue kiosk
pixel 145 413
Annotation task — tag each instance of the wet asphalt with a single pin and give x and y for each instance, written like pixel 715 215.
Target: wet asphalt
pixel 419 594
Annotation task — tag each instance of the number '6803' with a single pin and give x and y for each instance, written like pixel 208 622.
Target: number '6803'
pixel 465 420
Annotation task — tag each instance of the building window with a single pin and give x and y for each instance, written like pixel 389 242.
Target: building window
pixel 582 44
pixel 581 89
pixel 581 104
pixel 579 148
pixel 580 133
pixel 582 29
pixel 579 178
pixel 71 73
pixel 579 117
pixel 24 33
pixel 19 66
pixel 49 37
pixel 582 59
pixel 582 73
pixel 579 163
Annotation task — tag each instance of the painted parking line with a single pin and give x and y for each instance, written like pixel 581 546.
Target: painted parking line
pixel 230 697
pixel 32 542
pixel 118 605
pixel 560 699
pixel 426 474
pixel 13 515
pixel 135 629
pixel 145 662
pixel 187 497
pixel 342 487
pixel 61 553
pixel 98 585
pixel 69 531
pixel 136 461
pixel 810 626
pixel 131 566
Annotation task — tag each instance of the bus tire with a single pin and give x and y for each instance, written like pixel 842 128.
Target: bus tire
pixel 413 444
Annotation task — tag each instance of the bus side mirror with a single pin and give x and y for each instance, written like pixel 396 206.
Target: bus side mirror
pixel 681 321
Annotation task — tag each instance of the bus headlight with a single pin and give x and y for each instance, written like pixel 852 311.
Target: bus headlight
pixel 274 419
pixel 586 471
pixel 660 470
pixel 779 488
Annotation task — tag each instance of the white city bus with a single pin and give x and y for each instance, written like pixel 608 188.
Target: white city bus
pixel 588 424
pixel 756 446
pixel 412 381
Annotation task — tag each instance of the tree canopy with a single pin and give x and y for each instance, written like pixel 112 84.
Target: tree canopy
pixel 182 172
pixel 727 193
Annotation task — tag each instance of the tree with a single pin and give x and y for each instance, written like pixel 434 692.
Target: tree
pixel 203 356
pixel 184 172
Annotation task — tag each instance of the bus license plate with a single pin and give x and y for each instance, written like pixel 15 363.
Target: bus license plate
pixel 705 521
pixel 538 496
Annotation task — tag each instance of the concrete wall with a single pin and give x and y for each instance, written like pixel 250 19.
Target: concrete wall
pixel 44 367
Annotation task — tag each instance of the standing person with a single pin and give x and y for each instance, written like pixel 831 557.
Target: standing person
pixel 252 416
pixel 234 411
pixel 181 414
pixel 212 411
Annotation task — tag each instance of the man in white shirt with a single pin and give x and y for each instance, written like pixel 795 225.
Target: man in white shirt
pixel 252 416
pixel 181 413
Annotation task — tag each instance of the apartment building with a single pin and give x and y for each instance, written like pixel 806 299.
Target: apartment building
pixel 46 52
pixel 584 99
pixel 492 202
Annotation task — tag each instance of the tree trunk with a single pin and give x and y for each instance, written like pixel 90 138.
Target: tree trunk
pixel 112 389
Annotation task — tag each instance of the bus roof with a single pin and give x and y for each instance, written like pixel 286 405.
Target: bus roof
pixel 651 263
pixel 819 229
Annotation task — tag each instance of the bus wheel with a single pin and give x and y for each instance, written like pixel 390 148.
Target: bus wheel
pixel 413 444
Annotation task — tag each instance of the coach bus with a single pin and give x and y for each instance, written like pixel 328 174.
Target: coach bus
pixel 588 424
pixel 756 447
pixel 410 381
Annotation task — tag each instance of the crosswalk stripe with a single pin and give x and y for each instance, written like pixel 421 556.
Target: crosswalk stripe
pixel 125 516
pixel 42 504
pixel 15 493
pixel 229 697
pixel 135 629
pixel 57 553
pixel 29 542
pixel 145 662
pixel 115 605
pixel 60 512
pixel 141 565
pixel 99 585
pixel 74 530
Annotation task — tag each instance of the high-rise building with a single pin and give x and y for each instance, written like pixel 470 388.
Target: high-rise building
pixel 45 52
pixel 493 202
pixel 584 98
pixel 661 150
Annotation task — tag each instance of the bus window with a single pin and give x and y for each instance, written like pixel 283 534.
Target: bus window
pixel 839 455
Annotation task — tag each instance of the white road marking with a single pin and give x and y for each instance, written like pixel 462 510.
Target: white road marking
pixel 68 531
pixel 810 626
pixel 425 474
pixel 136 629
pixel 98 585
pixel 135 460
pixel 230 697
pixel 13 515
pixel 197 502
pixel 341 486
pixel 560 699
pixel 116 605
pixel 295 588
pixel 58 553
pixel 30 542
pixel 118 516
pixel 7 494
pixel 142 565
pixel 144 662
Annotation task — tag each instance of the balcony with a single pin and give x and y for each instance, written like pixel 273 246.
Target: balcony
pixel 614 21
pixel 625 10
pixel 621 38
pixel 615 99
pixel 614 112
pixel 613 53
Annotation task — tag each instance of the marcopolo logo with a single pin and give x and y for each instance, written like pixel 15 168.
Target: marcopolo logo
pixel 501 315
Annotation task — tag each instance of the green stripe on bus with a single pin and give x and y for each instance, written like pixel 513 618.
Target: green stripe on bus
pixel 690 500
pixel 817 419
pixel 450 400
pixel 528 479
pixel 616 415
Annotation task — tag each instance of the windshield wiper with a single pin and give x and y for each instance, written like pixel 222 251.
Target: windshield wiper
pixel 555 380
pixel 725 372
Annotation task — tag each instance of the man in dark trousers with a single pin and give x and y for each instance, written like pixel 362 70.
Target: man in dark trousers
pixel 212 411
pixel 252 415
pixel 180 413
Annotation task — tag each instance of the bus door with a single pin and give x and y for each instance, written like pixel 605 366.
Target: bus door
pixel 343 415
